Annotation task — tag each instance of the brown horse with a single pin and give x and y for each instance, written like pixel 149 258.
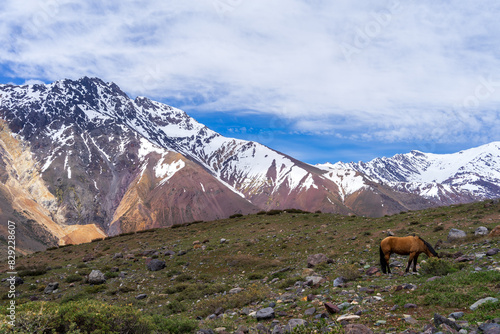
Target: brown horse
pixel 411 245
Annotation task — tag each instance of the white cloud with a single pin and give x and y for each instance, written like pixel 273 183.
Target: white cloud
pixel 399 70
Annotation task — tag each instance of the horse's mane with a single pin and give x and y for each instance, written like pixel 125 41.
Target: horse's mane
pixel 428 245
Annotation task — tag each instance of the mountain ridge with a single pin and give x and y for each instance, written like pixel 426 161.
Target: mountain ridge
pixel 125 164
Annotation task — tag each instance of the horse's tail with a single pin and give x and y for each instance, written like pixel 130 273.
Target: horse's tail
pixel 383 262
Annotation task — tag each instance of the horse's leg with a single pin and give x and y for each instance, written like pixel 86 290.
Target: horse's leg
pixel 387 257
pixel 415 262
pixel 412 255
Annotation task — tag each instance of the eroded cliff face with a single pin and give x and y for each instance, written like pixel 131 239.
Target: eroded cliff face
pixel 27 201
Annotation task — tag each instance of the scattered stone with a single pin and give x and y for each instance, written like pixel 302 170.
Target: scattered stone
pixel 339 281
pixel 357 329
pixel 156 264
pixel 169 253
pixel 235 290
pixel 456 234
pixel 331 308
pixel 372 271
pixel 482 301
pixel 265 313
pixel 17 280
pixel 390 233
pixel 344 305
pixel 88 258
pixel 380 322
pixel 51 287
pixel 118 256
pixel 409 319
pixel 464 258
pixel 223 241
pixel 316 259
pixel 456 315
pixel 141 296
pixel 347 317
pixel 262 329
pixel 310 311
pixel 433 278
pixel 410 305
pixel 490 328
pixel 492 252
pixel 96 277
pixel 277 330
pixel 481 230
pixel 294 323
pixel 439 320
pixel 394 308
pixel 314 280
pixel 205 331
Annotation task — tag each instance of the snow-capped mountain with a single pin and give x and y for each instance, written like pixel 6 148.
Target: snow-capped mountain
pixel 465 176
pixel 80 159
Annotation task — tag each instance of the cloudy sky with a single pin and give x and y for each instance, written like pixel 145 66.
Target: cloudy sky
pixel 319 80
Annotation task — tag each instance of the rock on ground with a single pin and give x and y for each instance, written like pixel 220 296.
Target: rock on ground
pixel 456 234
pixel 96 277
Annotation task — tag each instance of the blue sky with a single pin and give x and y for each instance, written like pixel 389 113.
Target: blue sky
pixel 318 80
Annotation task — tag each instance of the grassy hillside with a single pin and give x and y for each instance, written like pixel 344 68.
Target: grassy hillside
pixel 266 256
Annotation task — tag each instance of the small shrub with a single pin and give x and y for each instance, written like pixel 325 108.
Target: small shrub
pixel 175 307
pixel 33 271
pixel 349 272
pixel 95 288
pixel 73 278
pixel 254 276
pixel 175 324
pixel 110 274
pixel 274 212
pixel 438 228
pixel 236 215
pixel 437 267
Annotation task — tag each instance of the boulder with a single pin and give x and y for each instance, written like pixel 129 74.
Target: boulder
pixel 456 315
pixel 51 287
pixel 155 265
pixel 316 259
pixel 314 280
pixel 439 320
pixel 141 296
pixel 481 230
pixel 492 252
pixel 372 271
pixel 331 308
pixel 339 281
pixel 96 277
pixel 474 306
pixel 490 328
pixel 265 313
pixel 456 234
pixel 310 311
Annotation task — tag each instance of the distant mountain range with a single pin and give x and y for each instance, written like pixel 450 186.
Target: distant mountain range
pixel 81 160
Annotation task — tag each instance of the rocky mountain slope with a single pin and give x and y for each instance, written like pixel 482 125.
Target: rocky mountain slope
pixel 94 157
pixel 442 178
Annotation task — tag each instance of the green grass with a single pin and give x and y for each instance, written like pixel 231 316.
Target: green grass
pixel 263 248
